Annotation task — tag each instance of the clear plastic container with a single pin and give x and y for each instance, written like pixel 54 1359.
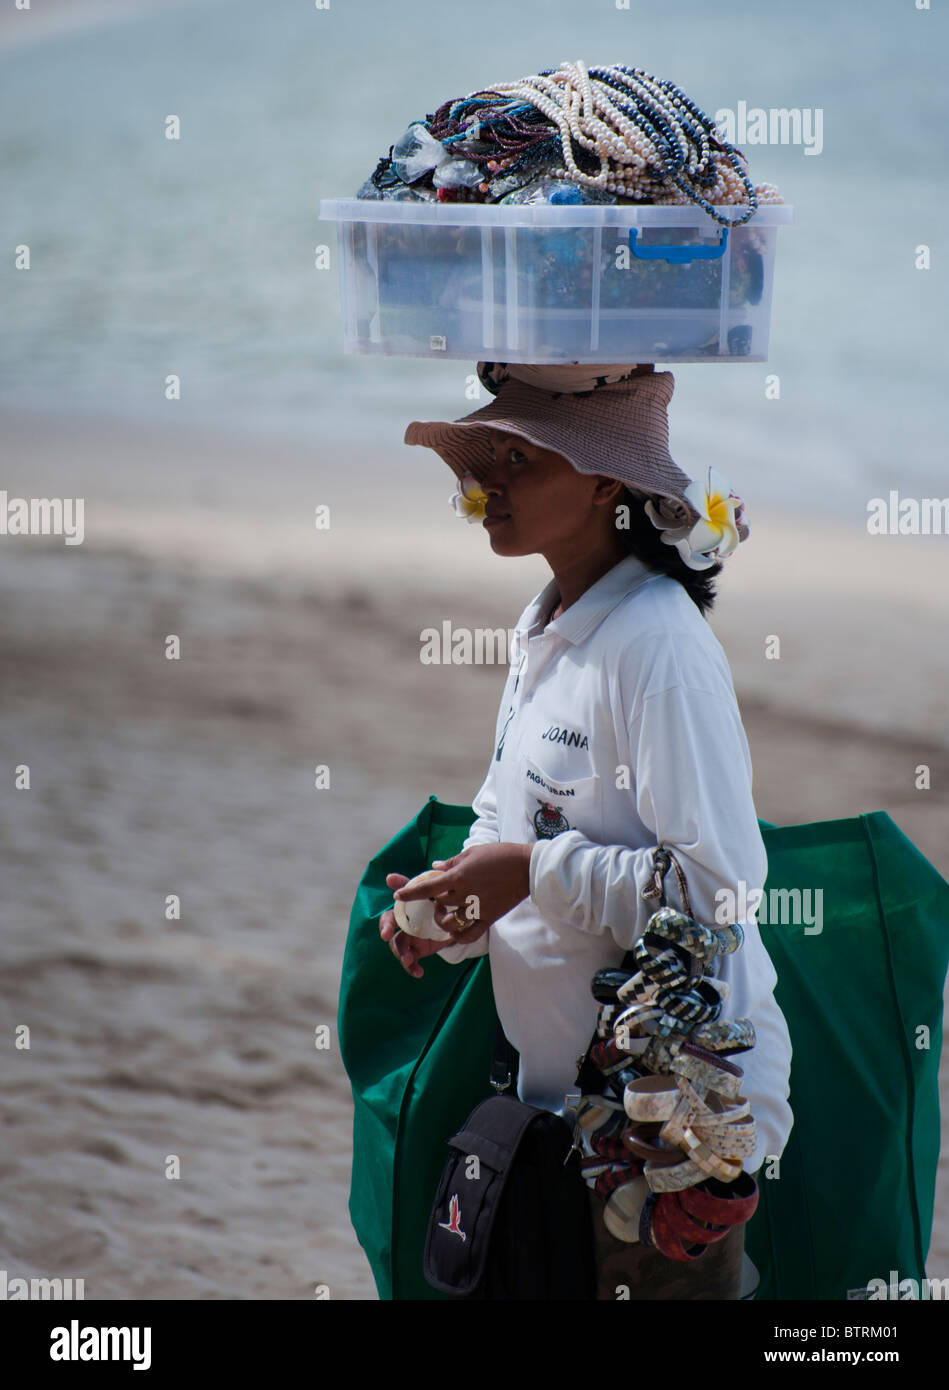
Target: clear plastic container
pixel 548 283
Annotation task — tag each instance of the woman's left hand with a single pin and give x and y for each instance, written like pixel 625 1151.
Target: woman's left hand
pixel 482 883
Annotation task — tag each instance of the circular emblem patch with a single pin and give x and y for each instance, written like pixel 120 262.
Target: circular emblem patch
pixel 549 821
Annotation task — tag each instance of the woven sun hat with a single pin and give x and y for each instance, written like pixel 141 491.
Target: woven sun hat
pixel 607 419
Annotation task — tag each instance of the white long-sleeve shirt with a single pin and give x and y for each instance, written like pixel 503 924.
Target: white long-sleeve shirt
pixel 619 729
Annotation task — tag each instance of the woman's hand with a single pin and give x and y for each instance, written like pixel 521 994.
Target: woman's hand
pixel 481 883
pixel 408 950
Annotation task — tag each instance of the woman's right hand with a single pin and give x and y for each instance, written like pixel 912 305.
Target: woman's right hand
pixel 408 950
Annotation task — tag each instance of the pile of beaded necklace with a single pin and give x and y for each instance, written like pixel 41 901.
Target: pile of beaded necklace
pixel 616 129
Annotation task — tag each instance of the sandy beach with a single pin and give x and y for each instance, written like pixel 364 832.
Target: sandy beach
pixel 195 1037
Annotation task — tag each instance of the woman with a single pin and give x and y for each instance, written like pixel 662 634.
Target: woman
pixel 618 730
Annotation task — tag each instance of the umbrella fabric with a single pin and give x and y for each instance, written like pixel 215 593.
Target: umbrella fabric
pixel 852 1198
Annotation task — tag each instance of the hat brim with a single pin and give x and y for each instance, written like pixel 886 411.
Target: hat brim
pixel 466 446
pixel 619 431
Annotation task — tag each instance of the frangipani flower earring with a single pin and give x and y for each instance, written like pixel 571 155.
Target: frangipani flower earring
pixel 714 535
pixel 470 501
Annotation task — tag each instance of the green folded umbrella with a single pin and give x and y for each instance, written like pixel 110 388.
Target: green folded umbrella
pixel 852 1200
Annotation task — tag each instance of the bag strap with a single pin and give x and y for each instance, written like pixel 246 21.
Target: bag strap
pixel 661 859
pixel 506 1063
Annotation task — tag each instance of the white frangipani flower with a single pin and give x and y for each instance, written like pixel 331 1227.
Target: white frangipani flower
pixel 470 501
pixel 715 534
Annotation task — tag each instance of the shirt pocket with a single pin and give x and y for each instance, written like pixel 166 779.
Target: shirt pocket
pixel 555 804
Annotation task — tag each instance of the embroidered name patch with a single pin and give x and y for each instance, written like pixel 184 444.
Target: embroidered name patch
pixel 549 786
pixel 571 738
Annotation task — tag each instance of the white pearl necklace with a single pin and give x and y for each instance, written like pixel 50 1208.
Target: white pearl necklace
pixel 586 113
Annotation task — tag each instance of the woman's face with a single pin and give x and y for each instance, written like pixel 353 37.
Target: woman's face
pixel 539 504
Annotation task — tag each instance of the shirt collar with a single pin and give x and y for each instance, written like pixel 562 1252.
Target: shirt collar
pixel 577 622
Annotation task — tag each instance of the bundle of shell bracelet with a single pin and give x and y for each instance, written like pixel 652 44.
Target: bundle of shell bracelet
pixel 662 1111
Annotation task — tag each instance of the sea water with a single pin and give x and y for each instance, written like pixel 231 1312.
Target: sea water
pixel 188 266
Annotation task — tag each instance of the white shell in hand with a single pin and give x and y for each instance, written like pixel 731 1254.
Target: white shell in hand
pixel 418 918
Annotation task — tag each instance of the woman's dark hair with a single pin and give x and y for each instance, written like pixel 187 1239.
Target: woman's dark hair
pixel 643 540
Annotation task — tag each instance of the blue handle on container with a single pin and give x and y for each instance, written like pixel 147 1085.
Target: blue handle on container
pixel 678 255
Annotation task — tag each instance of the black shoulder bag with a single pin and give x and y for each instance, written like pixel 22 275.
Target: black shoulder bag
pixel 511 1217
